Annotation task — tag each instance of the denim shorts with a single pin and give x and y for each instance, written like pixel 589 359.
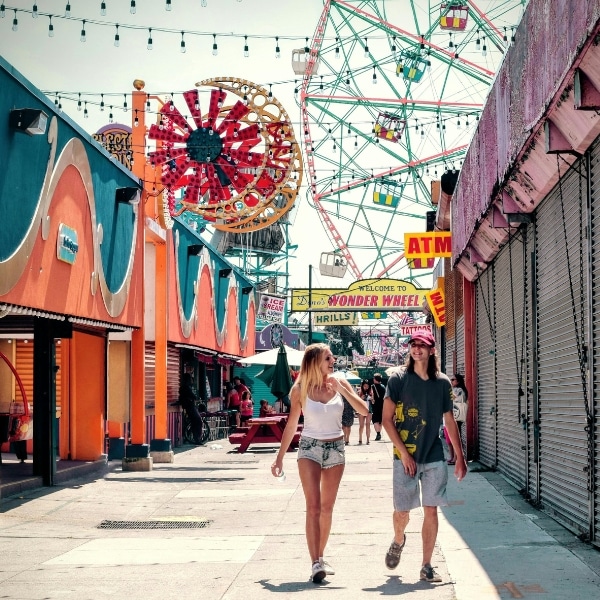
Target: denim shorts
pixel 326 453
pixel 426 488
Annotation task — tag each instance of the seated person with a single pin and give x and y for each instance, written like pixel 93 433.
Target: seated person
pixel 265 409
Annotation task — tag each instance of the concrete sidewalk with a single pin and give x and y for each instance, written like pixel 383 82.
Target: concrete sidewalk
pixel 216 525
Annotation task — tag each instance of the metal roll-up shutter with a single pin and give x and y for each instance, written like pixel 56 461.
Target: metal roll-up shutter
pixel 560 293
pixel 448 367
pixel 173 373
pixel 486 368
pixel 511 359
pixel 460 345
pixel 149 365
pixel 24 367
pixel 594 403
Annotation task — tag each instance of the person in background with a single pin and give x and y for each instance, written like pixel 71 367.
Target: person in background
pixel 461 394
pixel 321 453
pixel 416 399
pixel 378 393
pixel 265 409
pixel 187 400
pixel 347 420
pixel 240 385
pixel 364 422
pixel 232 403
pixel 246 407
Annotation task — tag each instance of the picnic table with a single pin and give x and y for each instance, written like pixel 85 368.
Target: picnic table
pixel 262 430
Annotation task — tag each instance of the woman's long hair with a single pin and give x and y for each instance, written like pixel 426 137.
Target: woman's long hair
pixel 310 376
pixel 460 380
pixel 433 367
pixel 366 392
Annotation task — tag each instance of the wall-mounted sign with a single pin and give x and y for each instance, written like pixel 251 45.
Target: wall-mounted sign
pixel 430 244
pixel 408 330
pixel 437 305
pixel 376 294
pixel 66 244
pixel 270 308
pixel 335 318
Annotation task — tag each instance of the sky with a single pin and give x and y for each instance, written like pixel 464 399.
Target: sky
pixel 97 70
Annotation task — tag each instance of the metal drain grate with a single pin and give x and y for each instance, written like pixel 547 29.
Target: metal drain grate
pixel 160 524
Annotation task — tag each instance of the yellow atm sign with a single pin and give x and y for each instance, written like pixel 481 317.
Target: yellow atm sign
pixel 430 244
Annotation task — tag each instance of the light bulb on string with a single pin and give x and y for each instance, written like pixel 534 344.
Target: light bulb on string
pixel 68 10
pixel 50 27
pixel 101 102
pixel 277 49
pixel 83 37
pixel 366 49
pixel 182 44
pixel 103 9
pixel 484 48
pixel 270 92
pixel 150 43
pixel 215 48
pixel 337 47
pixel 306 46
pixel 147 101
pixel 246 49
pixel 168 5
pixel 15 23
pixel 79 102
pixel 124 102
pixel 136 121
pixel 374 76
pixel 110 116
pixel 34 11
pixel 132 7
pixel 394 44
pixel 458 125
pixel 2 11
pixel 117 37
pixel 85 111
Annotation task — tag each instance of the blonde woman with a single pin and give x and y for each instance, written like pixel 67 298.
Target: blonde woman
pixel 321 453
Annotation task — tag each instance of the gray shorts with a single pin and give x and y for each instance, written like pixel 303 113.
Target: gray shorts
pixel 327 454
pixel 426 488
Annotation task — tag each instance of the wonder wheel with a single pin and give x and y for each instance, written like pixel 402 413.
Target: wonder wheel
pixel 237 163
pixel 390 93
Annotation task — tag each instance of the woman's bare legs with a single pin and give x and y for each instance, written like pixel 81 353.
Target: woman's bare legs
pixel 320 491
pixel 361 427
pixel 368 426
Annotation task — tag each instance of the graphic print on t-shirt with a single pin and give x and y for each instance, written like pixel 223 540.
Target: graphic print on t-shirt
pixel 410 425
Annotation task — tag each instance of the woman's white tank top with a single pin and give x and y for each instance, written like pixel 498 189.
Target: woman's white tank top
pixel 323 421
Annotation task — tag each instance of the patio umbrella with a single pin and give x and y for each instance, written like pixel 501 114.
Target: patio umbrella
pixel 266 374
pixel 294 357
pixel 282 380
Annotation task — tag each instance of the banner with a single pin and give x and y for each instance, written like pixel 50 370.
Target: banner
pixel 335 318
pixel 372 295
pixel 437 305
pixel 270 308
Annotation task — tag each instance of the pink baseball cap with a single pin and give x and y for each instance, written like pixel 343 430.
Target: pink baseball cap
pixel 423 336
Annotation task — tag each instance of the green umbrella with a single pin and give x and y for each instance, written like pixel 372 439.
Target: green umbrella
pixel 282 380
pixel 266 374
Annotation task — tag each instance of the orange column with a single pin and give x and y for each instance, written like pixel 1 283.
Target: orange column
pixel 138 338
pixel 160 329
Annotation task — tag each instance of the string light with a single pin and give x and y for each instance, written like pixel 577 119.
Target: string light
pixel 124 102
pixel 182 45
pixel 15 24
pixel 270 92
pixel 68 10
pixel 34 11
pixel 277 49
pixel 168 5
pixel 147 101
pixel 110 116
pixel 132 8
pixel 50 28
pixel 215 49
pixel 337 47
pixel 451 44
pixel 246 50
pixel 306 48
pixel 394 44
pixel 85 111
pixel 102 103
pixel 79 102
pixel 117 37
pixel 366 49
pixel 136 121
pixel 83 38
pixel 149 44
pixel 103 8
pixel 374 76
pixel 2 11
pixel 484 48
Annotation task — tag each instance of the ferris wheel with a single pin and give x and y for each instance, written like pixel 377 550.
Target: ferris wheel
pixel 390 93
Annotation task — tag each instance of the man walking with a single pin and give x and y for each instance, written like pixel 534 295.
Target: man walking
pixel 378 391
pixel 416 399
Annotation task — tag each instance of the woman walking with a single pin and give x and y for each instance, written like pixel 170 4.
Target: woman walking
pixel 364 421
pixel 321 453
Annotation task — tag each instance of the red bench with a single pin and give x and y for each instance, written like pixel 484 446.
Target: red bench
pixel 267 430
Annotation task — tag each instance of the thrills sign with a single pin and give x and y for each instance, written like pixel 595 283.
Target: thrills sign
pixel 432 244
pixel 374 294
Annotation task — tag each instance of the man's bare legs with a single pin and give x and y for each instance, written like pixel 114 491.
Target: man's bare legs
pixel 429 532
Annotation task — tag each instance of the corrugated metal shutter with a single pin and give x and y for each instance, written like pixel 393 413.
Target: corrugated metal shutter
pixel 460 345
pixel 258 388
pixel 595 319
pixel 24 367
pixel 486 368
pixel 511 359
pixel 149 364
pixel 563 448
pixel 173 373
